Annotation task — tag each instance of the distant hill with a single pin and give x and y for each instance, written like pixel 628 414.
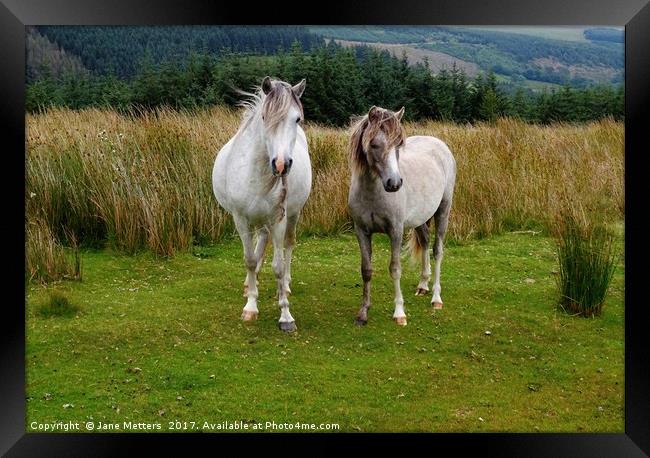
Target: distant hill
pixel 605 34
pixel 521 56
pixel 534 58
pixel 554 33
pixel 122 49
pixel 45 57
pixel 436 60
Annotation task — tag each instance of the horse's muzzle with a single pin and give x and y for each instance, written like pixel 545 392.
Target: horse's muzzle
pixel 391 185
pixel 280 170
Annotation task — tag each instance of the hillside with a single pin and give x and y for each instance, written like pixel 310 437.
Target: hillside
pixel 490 73
pixel 436 60
pixel 531 57
pixel 44 57
pixel 123 50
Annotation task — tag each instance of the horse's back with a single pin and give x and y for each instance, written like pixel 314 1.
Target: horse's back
pixel 299 179
pixel 426 147
pixel 428 168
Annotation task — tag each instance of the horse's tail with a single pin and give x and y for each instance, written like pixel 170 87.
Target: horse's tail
pixel 415 245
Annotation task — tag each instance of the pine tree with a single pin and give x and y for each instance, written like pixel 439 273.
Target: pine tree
pixel 443 96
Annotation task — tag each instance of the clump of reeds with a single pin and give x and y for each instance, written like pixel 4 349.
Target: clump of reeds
pixel 587 260
pixel 45 258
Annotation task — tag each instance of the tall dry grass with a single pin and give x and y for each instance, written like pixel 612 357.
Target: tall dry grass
pixel 145 181
pixel 45 258
pixel 513 175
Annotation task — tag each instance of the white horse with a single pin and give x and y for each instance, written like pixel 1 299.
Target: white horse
pixel 399 183
pixel 251 179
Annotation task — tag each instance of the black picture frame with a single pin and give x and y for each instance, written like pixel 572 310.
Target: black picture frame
pixel 16 14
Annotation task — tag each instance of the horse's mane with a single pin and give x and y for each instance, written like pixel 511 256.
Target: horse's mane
pixel 273 106
pixel 363 131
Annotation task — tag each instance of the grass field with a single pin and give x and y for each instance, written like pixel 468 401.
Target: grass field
pixel 159 340
pixel 157 335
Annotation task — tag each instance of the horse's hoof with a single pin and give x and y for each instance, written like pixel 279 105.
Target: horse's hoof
pixel 437 305
pixel 421 292
pixel 360 322
pixel 400 320
pixel 287 327
pixel 249 316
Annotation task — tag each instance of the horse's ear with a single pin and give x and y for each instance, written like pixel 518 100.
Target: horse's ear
pixel 299 88
pixel 373 113
pixel 266 85
pixel 400 113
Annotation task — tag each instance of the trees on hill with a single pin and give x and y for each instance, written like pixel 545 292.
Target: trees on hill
pixel 340 82
pixel 122 48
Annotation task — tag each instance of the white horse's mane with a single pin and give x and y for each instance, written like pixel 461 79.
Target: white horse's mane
pixel 251 103
pixel 274 105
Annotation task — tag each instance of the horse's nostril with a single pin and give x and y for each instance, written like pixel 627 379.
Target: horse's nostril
pixel 401 180
pixel 389 183
pixel 290 163
pixel 273 164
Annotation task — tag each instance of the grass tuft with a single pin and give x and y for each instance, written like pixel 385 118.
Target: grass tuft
pixel 586 264
pixel 57 304
pixel 45 257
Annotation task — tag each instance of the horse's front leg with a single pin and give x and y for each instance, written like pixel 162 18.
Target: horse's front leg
pixel 260 248
pixel 365 245
pixel 289 242
pixel 395 273
pixel 250 311
pixel 278 234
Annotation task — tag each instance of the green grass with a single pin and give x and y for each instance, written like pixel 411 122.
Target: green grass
pixel 160 340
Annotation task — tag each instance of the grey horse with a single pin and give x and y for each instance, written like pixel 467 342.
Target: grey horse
pixel 399 183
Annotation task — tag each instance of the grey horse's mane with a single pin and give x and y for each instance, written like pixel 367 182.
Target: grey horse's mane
pixel 364 130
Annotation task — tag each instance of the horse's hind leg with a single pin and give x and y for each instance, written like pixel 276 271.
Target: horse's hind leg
pixel 250 311
pixel 422 234
pixel 395 268
pixel 260 248
pixel 442 220
pixel 278 234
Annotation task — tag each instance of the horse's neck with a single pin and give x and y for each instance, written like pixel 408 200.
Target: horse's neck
pixel 253 146
pixel 368 182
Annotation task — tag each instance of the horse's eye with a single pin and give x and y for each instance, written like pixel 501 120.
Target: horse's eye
pixel 297 120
